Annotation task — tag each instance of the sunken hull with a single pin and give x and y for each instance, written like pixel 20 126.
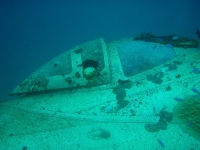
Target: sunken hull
pixel 103 95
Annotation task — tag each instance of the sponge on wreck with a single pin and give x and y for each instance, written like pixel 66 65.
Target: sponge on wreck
pixel 187 114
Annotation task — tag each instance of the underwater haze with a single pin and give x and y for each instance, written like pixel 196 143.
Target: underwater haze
pixel 34 32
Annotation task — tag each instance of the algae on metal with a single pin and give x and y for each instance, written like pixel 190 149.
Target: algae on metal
pixel 180 42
